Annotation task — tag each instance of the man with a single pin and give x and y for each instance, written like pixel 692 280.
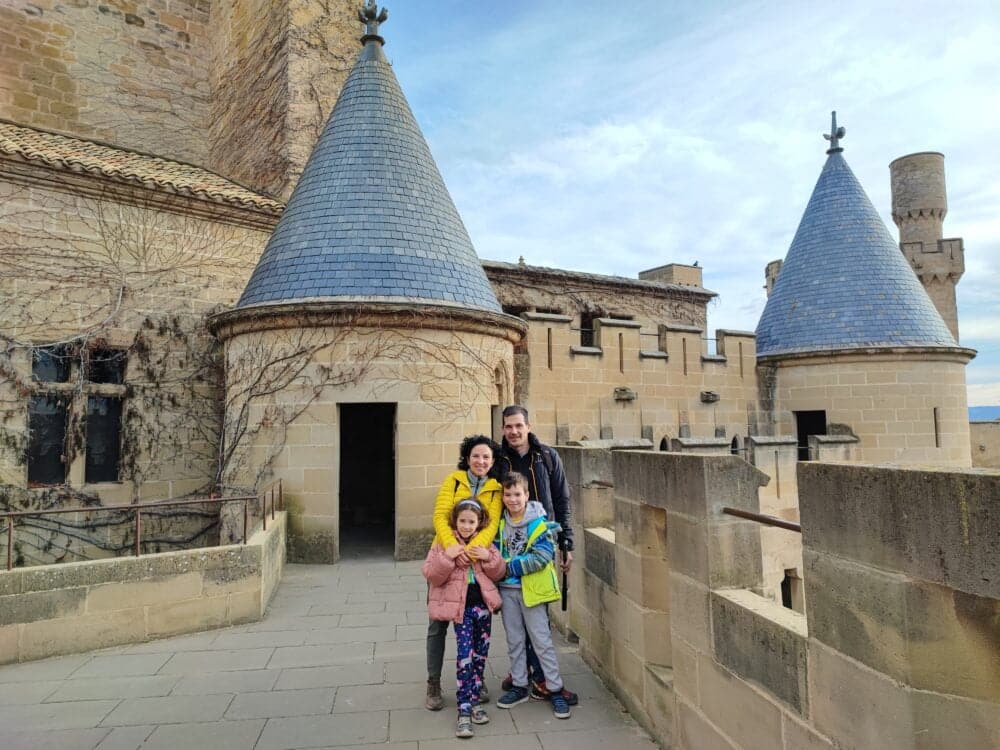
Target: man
pixel 524 453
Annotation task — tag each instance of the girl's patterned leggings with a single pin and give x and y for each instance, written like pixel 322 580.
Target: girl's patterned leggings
pixel 473 635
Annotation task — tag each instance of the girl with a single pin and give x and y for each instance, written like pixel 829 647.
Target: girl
pixel 467 596
pixel 474 479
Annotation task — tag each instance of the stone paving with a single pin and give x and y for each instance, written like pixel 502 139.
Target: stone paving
pixel 338 662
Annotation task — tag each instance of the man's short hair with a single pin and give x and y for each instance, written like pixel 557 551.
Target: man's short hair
pixel 515 479
pixel 510 411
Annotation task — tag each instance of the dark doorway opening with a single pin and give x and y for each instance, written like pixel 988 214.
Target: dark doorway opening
pixel 808 423
pixel 367 480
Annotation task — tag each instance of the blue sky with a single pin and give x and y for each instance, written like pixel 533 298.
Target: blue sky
pixel 610 137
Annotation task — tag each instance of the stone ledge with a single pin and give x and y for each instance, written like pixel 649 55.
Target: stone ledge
pixel 65 609
pixel 590 351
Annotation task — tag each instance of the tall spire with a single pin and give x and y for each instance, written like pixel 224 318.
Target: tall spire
pixel 844 284
pixel 371 219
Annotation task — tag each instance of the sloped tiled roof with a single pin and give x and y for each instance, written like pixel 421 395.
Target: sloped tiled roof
pixel 844 283
pixel 370 218
pixel 123 165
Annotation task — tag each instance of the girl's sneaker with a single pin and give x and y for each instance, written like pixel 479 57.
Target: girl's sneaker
pixel 464 727
pixel 479 715
pixel 559 706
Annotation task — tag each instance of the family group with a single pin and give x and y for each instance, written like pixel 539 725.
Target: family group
pixel 498 522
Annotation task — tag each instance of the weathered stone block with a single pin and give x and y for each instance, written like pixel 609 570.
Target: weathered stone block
pixel 112 596
pixel 761 641
pixel 687 542
pixel 640 528
pixel 695 732
pixel 245 606
pixel 593 505
pixel 734 555
pixel 10 582
pixel 736 707
pixel 42 605
pixel 929 636
pixel 585 466
pixel 800 736
pixel 855 705
pixel 643 579
pixel 690 615
pixel 941 721
pixel 8 643
pixel 685 670
pixel 934 524
pixel 74 634
pixel 411 544
pixel 599 553
pixel 172 618
pixel 658 701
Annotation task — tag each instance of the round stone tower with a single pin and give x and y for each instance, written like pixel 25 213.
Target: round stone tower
pixel 919 205
pixel 849 342
pixel 368 340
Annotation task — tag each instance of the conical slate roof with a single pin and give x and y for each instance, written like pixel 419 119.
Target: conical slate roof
pixel 844 283
pixel 370 220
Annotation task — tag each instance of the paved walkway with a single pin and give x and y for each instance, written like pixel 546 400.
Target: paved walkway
pixel 338 662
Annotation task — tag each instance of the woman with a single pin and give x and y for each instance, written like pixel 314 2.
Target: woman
pixel 473 479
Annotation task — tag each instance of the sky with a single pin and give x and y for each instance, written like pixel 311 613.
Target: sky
pixel 610 138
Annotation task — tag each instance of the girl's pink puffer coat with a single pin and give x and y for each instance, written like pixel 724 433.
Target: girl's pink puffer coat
pixel 449 583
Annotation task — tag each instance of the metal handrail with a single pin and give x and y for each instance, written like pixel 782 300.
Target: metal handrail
pixel 9 516
pixel 781 523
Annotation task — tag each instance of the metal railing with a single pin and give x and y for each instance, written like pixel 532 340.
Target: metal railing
pixel 138 508
pixel 767 520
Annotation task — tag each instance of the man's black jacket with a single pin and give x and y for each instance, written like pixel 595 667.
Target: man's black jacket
pixel 546 482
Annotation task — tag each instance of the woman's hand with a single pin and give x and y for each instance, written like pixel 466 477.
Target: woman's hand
pixel 479 553
pixel 458 553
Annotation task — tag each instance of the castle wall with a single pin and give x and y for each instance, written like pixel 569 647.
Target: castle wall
pixel 889 401
pixel 131 73
pixel 668 386
pixel 133 271
pixel 278 69
pixel 442 382
pixel 898 647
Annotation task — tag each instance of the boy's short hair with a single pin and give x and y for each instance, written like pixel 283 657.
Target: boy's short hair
pixel 515 479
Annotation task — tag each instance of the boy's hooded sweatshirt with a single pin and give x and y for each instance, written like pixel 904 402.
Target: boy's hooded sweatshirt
pixel 521 558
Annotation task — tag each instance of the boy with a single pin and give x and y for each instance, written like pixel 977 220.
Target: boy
pixel 526 544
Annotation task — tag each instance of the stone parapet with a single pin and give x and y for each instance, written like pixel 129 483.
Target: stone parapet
pixel 63 609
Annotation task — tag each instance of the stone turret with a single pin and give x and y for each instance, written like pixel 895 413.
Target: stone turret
pixel 919 205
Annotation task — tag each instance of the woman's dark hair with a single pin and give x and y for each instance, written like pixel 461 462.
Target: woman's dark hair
pixel 476 507
pixel 465 450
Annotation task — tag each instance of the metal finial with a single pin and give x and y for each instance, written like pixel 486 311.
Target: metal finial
pixel 371 17
pixel 835 135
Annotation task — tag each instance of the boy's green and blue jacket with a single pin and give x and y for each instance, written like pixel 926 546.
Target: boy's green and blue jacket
pixel 528 546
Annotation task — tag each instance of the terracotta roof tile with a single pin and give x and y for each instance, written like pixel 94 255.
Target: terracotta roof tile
pixel 79 155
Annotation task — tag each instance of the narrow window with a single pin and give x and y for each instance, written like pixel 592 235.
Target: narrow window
pixel 106 366
pixel 549 336
pixel 104 424
pixel 47 439
pixel 684 354
pixel 50 364
pixel 621 352
pixel 937 428
pixel 587 327
pixel 791 590
pixel 741 358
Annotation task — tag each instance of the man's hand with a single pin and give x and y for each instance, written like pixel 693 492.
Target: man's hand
pixel 565 561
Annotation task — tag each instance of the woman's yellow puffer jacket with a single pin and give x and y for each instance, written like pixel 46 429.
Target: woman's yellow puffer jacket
pixel 454 489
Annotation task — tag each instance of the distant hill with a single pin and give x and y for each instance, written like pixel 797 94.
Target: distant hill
pixel 984 413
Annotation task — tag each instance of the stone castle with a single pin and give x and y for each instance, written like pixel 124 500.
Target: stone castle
pixel 208 285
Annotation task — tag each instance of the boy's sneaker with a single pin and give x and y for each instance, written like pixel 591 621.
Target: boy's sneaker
pixel 464 726
pixel 513 696
pixel 539 692
pixel 484 694
pixel 560 708
pixel 479 715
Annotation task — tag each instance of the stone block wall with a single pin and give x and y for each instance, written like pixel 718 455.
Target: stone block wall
pixel 129 270
pixel 898 647
pixel 903 408
pixel 131 73
pixel 781 549
pixel 985 439
pixel 64 609
pixel 442 381
pixel 635 384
